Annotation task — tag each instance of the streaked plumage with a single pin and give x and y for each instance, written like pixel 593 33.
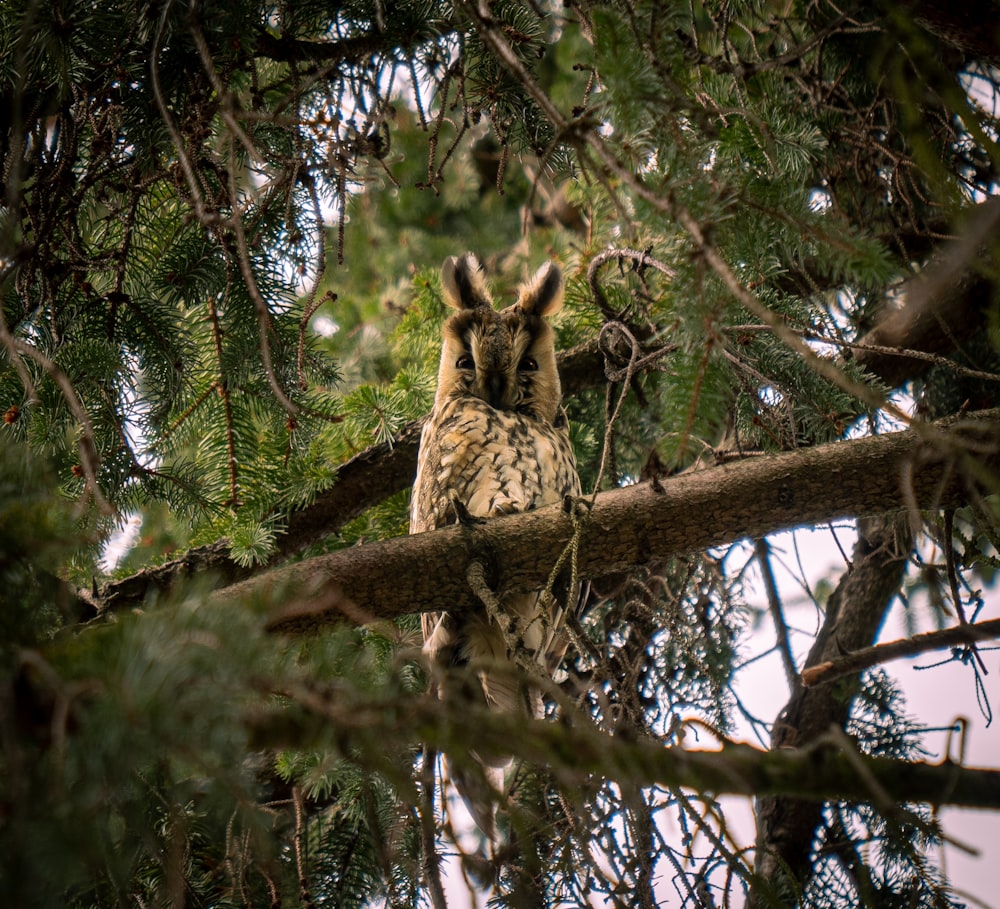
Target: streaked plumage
pixel 496 442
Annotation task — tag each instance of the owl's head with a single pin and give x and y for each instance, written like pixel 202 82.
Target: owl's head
pixel 507 358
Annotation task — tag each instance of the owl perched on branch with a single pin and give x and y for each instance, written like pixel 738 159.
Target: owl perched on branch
pixel 496 442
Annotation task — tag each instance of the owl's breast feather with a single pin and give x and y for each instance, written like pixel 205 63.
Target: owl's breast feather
pixel 497 462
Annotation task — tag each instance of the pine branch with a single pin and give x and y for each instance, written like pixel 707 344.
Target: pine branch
pixel 360 483
pixel 287 49
pixel 574 750
pixel 368 478
pixel 928 467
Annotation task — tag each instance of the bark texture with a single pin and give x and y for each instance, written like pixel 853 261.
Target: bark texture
pixel 926 467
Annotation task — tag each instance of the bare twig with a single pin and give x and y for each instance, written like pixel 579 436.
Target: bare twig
pixel 869 346
pixel 431 859
pixel 202 213
pixel 250 282
pixel 763 552
pixel 641 259
pixel 300 846
pixel 952 572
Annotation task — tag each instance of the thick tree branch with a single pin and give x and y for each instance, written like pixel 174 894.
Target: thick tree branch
pixel 940 307
pixel 289 49
pixel 786 826
pixel 934 465
pixel 133 591
pixel 360 483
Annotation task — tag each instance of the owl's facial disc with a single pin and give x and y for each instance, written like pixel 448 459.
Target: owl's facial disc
pixel 505 358
pixel 492 348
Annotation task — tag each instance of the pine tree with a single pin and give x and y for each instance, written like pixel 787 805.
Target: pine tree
pixel 222 226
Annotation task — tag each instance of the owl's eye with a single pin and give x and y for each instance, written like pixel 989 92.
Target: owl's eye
pixel 465 362
pixel 528 364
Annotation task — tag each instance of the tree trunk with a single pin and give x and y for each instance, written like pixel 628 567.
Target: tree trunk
pixel 786 827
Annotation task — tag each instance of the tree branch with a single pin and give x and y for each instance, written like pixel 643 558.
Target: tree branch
pixel 941 306
pixel 785 825
pixel 867 657
pixel 947 297
pixel 929 467
pixel 287 49
pixel 763 553
pixel 576 749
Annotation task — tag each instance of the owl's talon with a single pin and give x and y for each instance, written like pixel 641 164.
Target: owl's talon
pixel 462 514
pixel 580 506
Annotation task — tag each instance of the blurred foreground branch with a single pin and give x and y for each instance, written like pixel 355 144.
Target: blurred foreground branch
pixel 824 770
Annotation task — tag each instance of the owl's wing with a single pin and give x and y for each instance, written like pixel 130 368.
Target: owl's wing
pixel 565 481
pixel 423 513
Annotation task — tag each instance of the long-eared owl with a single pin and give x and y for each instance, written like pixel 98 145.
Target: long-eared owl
pixel 496 442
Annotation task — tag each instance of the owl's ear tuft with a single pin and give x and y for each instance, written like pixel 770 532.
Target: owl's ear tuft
pixel 463 283
pixel 543 294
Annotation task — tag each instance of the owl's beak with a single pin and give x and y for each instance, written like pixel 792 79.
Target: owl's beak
pixel 496 388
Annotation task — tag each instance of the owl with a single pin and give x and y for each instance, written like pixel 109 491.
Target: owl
pixel 496 442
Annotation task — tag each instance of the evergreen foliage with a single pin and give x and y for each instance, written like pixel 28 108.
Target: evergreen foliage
pixel 220 231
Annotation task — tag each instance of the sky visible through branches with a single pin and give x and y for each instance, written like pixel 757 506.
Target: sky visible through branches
pixel 940 696
pixel 947 697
